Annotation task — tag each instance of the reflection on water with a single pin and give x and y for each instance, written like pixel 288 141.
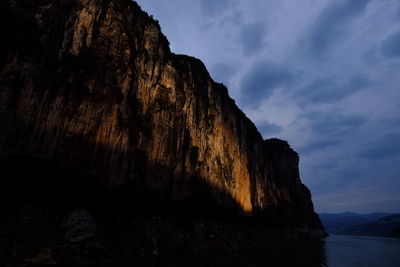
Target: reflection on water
pixel 335 251
pixel 307 254
pixel 349 251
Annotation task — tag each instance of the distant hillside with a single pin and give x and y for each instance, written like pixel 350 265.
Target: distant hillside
pixel 336 222
pixel 386 226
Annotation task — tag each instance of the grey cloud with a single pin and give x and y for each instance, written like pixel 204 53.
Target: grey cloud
pixel 327 90
pixel 326 165
pixel 332 24
pixel 371 55
pixel 386 147
pixel 349 173
pixel 335 125
pixel 233 18
pixel 318 145
pixel 267 129
pixel 261 81
pixel 212 8
pixel 251 38
pixel 398 10
pixel 391 46
pixel 223 72
pixel 358 82
pixel 322 91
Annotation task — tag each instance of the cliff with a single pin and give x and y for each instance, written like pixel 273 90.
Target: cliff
pixel 91 87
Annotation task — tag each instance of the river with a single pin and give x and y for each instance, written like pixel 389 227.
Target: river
pixel 334 251
pixel 361 251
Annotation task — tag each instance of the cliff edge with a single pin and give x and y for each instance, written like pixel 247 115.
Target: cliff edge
pixel 91 87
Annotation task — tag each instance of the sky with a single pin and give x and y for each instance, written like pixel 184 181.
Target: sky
pixel 322 74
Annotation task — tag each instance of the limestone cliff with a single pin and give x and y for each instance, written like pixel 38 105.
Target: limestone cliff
pixel 91 85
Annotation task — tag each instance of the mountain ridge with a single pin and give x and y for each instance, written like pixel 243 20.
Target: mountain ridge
pixel 386 226
pixel 336 222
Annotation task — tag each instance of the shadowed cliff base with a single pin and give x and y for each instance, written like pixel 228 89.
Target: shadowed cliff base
pixel 46 184
pixel 39 198
pixel 41 237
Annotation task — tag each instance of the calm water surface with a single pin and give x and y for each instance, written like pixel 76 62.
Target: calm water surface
pixel 358 251
pixel 335 251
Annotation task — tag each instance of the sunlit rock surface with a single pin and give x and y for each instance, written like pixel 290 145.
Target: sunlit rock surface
pixel 91 86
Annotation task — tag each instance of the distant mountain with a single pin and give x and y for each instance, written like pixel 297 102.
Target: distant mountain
pixel 386 226
pixel 337 222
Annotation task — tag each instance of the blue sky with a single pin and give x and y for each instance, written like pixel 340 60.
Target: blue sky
pixel 322 74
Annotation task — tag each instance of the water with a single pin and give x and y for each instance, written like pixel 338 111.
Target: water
pixel 335 251
pixel 358 251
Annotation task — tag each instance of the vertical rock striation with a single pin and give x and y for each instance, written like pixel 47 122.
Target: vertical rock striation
pixel 92 86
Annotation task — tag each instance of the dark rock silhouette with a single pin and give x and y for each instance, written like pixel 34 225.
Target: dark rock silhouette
pixel 96 112
pixel 79 225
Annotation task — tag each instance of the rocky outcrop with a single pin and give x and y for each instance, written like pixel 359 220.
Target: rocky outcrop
pixel 91 86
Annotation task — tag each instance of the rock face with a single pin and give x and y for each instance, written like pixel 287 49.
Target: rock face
pixel 91 85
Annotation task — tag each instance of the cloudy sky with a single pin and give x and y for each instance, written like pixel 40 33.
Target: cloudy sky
pixel 322 74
